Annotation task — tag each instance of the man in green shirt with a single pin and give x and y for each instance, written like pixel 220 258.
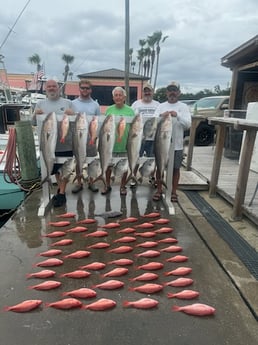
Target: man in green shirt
pixel 119 108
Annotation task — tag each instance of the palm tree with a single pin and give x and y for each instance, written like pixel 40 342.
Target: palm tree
pixel 147 55
pixel 68 59
pixel 151 40
pixel 35 84
pixel 35 60
pixel 157 35
pixel 141 54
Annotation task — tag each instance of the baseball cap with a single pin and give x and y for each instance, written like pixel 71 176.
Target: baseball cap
pixel 174 84
pixel 147 86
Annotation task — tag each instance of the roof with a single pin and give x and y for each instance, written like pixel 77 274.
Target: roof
pixel 111 73
pixel 246 53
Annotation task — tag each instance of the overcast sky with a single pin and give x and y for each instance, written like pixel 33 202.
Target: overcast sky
pixel 200 34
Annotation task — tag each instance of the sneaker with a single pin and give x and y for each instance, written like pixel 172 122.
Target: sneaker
pixel 93 188
pixel 60 200
pixel 77 188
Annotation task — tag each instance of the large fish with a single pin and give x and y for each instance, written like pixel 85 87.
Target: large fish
pixel 147 169
pixel 93 169
pixel 48 138
pixel 80 135
pixel 105 146
pixel 134 144
pixel 121 167
pixel 67 168
pixel 161 145
pixel 149 128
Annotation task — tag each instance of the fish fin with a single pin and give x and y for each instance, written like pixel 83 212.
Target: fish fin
pixel 140 179
pixel 129 178
pixel 100 177
pixel 164 184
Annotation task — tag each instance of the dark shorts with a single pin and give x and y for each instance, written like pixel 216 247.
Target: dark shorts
pixel 147 148
pixel 57 166
pixel 178 159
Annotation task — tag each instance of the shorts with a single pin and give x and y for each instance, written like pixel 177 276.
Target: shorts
pixel 57 166
pixel 147 147
pixel 178 159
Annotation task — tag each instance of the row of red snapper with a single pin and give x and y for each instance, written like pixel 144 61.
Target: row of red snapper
pixel 129 235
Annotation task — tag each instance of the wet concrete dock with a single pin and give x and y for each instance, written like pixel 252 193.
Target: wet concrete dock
pixel 235 300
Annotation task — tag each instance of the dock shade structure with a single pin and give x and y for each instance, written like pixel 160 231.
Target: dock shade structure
pixel 243 62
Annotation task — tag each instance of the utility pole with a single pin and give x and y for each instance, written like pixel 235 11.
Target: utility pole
pixel 127 43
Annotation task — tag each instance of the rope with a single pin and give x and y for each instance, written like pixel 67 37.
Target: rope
pixel 11 171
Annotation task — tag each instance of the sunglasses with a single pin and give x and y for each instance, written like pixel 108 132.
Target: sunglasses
pixel 85 88
pixel 172 88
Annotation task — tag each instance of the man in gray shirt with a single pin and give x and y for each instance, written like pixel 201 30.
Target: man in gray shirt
pixel 59 105
pixel 85 104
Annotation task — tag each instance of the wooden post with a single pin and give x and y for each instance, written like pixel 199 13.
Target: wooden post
pixel 195 123
pixel 220 139
pixel 243 173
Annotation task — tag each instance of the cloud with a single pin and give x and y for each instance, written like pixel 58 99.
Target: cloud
pixel 199 35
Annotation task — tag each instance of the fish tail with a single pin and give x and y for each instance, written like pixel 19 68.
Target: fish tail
pixel 170 295
pixel 130 288
pixel 166 274
pixel 100 177
pixel 28 275
pixel 129 178
pixel 126 304
pixel 62 140
pixel 47 304
pixel 6 308
pixel 175 308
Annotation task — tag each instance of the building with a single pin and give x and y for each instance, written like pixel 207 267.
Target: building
pixel 243 62
pixel 103 81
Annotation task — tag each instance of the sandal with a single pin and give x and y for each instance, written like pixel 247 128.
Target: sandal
pixel 174 198
pixel 106 190
pixel 123 191
pixel 157 196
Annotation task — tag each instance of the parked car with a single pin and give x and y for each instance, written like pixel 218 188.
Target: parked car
pixel 208 107
pixel 189 102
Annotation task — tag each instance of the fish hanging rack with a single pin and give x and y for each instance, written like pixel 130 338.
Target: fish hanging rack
pixel 45 186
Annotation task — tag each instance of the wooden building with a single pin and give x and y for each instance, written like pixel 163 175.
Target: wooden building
pixel 243 62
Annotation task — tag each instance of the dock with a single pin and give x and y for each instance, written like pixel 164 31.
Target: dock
pixel 199 177
pixel 219 275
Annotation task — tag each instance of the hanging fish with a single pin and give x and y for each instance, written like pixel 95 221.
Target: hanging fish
pixel 161 146
pixel 64 128
pixel 79 140
pixel 93 129
pixel 48 139
pixel 105 146
pixel 133 145
pixel 120 129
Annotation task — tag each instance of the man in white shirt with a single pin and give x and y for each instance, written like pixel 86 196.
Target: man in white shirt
pixel 146 107
pixel 181 112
